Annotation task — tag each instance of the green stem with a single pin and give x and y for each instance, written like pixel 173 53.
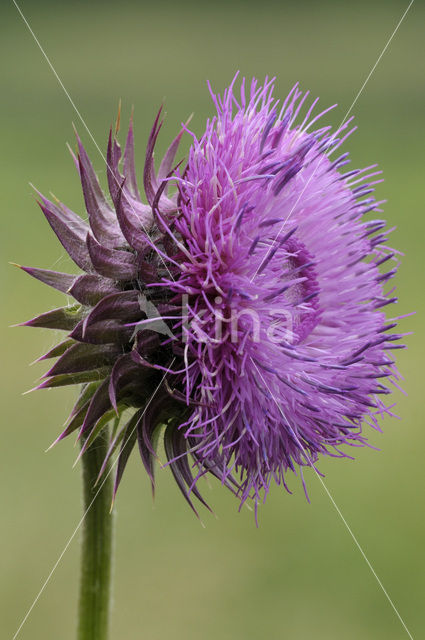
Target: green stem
pixel 96 550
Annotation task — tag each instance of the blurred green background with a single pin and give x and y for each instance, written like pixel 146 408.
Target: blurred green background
pixel 299 575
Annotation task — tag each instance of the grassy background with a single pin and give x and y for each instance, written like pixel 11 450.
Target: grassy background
pixel 299 575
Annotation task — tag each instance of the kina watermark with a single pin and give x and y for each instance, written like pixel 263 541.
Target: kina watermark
pixel 218 321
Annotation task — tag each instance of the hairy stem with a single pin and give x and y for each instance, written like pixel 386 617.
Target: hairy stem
pixel 96 550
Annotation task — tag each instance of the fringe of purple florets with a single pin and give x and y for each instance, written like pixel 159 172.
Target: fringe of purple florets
pixel 271 223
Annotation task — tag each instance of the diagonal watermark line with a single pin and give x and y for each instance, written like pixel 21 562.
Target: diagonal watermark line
pixel 336 131
pixel 378 61
pixel 77 528
pixel 337 509
pixel 74 106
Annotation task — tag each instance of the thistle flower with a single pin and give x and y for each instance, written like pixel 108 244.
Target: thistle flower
pixel 243 312
pixel 120 248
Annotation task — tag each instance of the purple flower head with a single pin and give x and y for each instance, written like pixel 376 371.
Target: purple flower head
pixel 286 346
pixel 241 310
